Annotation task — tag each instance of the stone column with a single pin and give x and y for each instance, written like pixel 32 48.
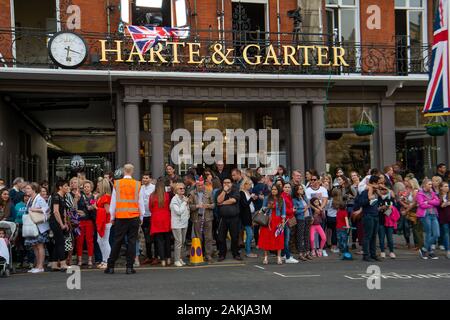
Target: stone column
pixel 132 137
pixel 121 145
pixel 157 127
pixel 297 150
pixel 386 120
pixel 318 152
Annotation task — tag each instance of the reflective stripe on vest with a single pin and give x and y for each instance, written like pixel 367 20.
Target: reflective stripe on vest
pixel 127 205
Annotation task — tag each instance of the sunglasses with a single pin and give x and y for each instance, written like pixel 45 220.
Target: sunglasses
pixel 313 179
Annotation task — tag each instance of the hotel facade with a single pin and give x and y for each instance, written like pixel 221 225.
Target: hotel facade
pixel 309 68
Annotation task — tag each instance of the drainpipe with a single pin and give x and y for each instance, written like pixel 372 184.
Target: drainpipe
pixel 223 20
pixel 278 26
pixel 219 20
pixel 108 16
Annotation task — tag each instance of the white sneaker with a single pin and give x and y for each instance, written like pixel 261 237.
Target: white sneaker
pixel 291 260
pixel 433 247
pixel 283 258
pixel 182 262
pixel 383 255
pixel 178 264
pixel 31 270
pixel 392 255
pixel 442 248
pixel 136 263
pixel 335 250
pixel 324 253
pixel 37 271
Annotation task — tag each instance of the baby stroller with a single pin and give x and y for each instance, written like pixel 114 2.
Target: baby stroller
pixel 6 264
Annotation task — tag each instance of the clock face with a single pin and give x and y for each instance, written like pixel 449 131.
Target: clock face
pixel 68 50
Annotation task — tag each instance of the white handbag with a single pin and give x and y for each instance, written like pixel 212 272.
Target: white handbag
pixel 29 229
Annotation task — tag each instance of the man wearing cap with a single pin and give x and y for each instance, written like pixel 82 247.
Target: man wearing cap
pixel 201 205
pixel 127 213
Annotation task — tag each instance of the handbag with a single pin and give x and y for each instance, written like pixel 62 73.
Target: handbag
pixel 292 222
pixel 29 228
pixel 68 243
pixel 37 217
pixel 261 218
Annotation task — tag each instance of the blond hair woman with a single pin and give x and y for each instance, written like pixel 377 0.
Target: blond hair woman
pixel 103 220
pixel 179 209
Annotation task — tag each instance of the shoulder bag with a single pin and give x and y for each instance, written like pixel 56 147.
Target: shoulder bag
pixel 29 229
pixel 261 218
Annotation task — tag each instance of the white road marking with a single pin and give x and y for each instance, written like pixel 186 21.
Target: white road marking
pixel 259 267
pixel 297 275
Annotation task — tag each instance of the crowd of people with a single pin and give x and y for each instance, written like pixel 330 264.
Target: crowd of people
pixel 292 217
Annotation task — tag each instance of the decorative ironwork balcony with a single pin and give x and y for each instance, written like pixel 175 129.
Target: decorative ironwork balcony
pixel 28 48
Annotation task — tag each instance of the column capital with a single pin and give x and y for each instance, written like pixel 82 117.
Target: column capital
pixel 152 102
pixel 387 103
pixel 300 103
pixel 319 102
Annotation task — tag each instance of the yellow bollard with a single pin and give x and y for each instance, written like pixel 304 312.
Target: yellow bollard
pixel 196 257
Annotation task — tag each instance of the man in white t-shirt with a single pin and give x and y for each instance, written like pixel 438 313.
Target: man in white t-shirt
pixel 147 188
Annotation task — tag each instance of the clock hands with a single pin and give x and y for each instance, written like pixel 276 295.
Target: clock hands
pixel 70 50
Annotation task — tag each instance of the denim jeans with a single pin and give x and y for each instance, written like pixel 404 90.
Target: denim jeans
pixel 445 235
pixel 342 237
pixel 404 225
pixel 370 224
pixel 431 228
pixel 248 239
pixel 384 232
pixel 287 236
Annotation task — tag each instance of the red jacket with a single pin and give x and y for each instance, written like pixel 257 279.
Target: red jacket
pixel 160 219
pixel 102 217
pixel 289 205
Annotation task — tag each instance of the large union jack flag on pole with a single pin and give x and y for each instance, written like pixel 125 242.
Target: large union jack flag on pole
pixel 437 99
pixel 147 37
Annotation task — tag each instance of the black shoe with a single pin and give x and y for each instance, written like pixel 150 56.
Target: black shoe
pixel 353 246
pixel 367 259
pixel 130 271
pixel 432 256
pixel 109 270
pixel 238 258
pixel 221 259
pixel 375 259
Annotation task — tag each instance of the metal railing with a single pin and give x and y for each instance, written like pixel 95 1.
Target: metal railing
pixel 28 48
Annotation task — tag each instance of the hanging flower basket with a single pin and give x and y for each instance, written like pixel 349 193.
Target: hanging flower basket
pixel 436 129
pixel 364 127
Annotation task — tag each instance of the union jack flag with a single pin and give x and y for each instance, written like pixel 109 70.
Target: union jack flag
pixel 437 99
pixel 147 37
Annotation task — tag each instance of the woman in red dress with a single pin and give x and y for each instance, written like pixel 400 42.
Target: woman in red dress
pixel 160 226
pixel 268 238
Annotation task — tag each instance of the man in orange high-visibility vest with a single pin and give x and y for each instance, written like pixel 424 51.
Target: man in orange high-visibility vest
pixel 127 212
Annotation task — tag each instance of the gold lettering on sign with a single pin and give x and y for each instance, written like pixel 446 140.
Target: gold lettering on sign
pixel 218 52
pixel 157 53
pixel 135 52
pixel 175 50
pixel 245 55
pixel 289 55
pixel 272 55
pixel 194 53
pixel 305 54
pixel 117 51
pixel 339 54
pixel 321 56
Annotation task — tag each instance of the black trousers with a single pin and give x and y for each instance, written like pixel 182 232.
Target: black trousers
pixel 231 225
pixel 57 253
pixel 370 223
pixel 149 240
pixel 162 241
pixel 130 229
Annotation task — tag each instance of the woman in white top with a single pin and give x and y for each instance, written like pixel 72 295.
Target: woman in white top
pixel 179 209
pixel 39 205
